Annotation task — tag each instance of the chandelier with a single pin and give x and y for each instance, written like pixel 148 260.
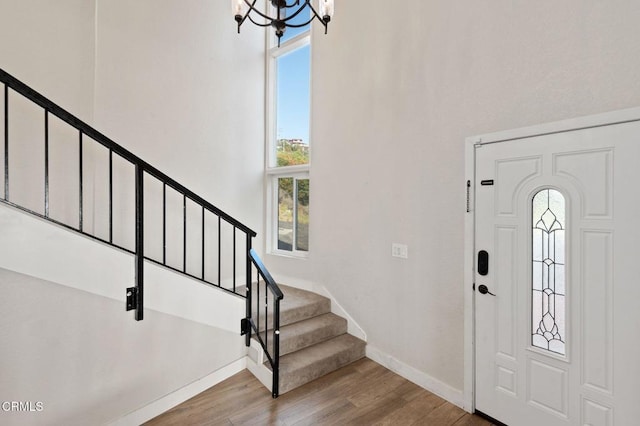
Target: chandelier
pixel 284 14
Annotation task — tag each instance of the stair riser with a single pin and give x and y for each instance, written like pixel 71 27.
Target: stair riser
pixel 292 339
pixel 297 378
pixel 291 316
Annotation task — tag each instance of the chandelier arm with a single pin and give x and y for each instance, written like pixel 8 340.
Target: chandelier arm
pixel 295 3
pixel 316 14
pixel 301 25
pixel 252 8
pixel 324 20
pixel 268 24
pixel 294 14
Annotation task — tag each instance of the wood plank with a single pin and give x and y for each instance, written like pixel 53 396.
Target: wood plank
pixel 413 411
pixel 471 420
pixel 445 414
pixel 362 393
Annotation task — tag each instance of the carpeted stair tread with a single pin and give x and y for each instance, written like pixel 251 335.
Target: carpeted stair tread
pixel 299 305
pixel 313 341
pixel 302 334
pixel 305 365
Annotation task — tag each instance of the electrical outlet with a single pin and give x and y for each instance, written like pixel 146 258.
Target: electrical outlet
pixel 400 250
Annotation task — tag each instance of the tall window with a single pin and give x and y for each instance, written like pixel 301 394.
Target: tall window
pixel 288 140
pixel 548 271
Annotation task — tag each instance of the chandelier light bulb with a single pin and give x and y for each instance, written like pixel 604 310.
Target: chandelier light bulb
pixel 326 8
pixel 238 8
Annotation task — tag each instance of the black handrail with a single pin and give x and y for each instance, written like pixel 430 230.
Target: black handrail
pixel 94 134
pixel 250 325
pixel 135 294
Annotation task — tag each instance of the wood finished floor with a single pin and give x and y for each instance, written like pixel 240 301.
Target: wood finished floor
pixel 363 393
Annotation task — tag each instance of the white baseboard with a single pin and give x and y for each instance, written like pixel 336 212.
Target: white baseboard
pixel 433 385
pixel 169 401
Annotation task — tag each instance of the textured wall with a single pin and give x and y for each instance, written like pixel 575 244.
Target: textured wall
pixel 395 92
pixel 176 85
pixel 161 79
pixel 87 362
pixel 50 46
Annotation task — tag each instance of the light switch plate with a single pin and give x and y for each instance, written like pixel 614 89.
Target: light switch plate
pixel 400 250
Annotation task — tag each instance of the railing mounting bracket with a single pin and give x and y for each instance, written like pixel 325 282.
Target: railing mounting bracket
pixel 132 298
pixel 245 326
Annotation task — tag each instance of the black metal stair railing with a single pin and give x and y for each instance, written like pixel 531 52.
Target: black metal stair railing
pixel 224 258
pixel 259 321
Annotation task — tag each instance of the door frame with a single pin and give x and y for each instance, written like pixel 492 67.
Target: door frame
pixel 586 122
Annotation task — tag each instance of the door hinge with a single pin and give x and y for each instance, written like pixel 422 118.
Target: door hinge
pixel 132 298
pixel 468 196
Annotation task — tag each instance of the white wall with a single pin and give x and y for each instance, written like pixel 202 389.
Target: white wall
pixel 87 363
pixel 50 46
pixel 35 247
pixel 170 81
pixel 161 78
pixel 395 92
pixel 177 86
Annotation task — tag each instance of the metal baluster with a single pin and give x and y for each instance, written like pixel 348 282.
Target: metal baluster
pixel 276 347
pixel 248 301
pixel 219 253
pixel 184 233
pixel 139 242
pixel 80 218
pixel 164 223
pixel 46 163
pixel 266 315
pixel 248 259
pixel 6 142
pixel 110 195
pixel 203 244
pixel 258 304
pixel 234 258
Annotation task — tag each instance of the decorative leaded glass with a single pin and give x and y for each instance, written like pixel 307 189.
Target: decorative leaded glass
pixel 548 271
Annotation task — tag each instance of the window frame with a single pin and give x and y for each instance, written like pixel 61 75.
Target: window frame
pixel 272 171
pixel 273 236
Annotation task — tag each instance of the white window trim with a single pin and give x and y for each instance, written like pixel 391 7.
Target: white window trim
pixel 296 42
pixel 272 208
pixel 272 172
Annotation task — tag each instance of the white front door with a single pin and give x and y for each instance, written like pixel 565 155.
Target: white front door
pixel 558 320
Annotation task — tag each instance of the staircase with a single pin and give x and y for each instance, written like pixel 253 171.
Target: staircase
pixel 313 341
pixel 310 341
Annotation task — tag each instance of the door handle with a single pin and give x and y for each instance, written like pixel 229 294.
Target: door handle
pixel 483 289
